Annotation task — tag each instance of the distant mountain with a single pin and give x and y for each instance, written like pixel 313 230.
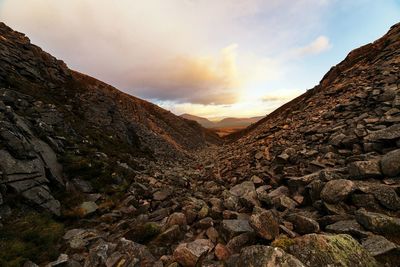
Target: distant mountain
pixel 224 123
pixel 202 121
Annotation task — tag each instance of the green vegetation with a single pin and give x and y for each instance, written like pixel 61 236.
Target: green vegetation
pixel 32 236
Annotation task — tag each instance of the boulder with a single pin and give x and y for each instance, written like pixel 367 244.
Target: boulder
pixel 302 224
pixel 265 225
pixel 316 250
pixel 232 228
pixel 192 254
pixel 336 191
pixel 382 249
pixel 246 192
pixel 378 223
pixel 389 133
pixel 351 227
pixel 364 169
pixel 390 163
pixel 266 256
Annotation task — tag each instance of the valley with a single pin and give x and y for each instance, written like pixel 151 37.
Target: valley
pixel 91 176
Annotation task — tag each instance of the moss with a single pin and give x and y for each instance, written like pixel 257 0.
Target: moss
pixel 30 237
pixel 283 242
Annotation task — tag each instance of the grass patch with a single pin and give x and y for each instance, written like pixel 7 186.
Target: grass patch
pixel 32 236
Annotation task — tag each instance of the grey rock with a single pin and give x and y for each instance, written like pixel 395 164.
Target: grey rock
pixel 232 228
pixel 351 227
pixel 378 245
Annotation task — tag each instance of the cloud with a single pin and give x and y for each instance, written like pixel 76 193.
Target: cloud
pixel 203 80
pixel 176 50
pixel 319 45
pixel 282 96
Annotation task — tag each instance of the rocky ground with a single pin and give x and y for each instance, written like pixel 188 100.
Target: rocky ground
pixel 315 183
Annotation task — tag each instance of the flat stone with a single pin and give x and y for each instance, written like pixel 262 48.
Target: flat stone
pixel 377 245
pixel 378 223
pixel 351 227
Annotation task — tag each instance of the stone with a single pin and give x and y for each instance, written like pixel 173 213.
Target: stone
pixel 232 228
pixel 193 253
pixel 221 252
pixel 390 163
pixel 266 256
pixel 88 207
pixel 176 218
pixel 265 225
pixel 365 169
pixel 389 133
pixel 317 250
pixel 377 245
pixel 246 192
pixel 336 191
pixel 161 195
pixel 238 242
pixel 302 224
pixel 350 227
pixel 378 223
pixel 61 261
pixel 284 202
pixel 83 186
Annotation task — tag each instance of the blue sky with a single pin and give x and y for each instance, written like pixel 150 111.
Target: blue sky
pixel 212 58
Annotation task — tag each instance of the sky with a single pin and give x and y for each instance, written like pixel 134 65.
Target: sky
pixel 210 58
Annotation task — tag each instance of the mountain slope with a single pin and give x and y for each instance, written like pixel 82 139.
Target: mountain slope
pixel 51 113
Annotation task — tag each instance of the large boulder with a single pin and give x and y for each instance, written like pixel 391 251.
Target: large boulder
pixel 266 256
pixel 316 250
pixel 390 163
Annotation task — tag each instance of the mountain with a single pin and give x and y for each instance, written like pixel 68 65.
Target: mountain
pixel 224 123
pixel 202 121
pixel 93 177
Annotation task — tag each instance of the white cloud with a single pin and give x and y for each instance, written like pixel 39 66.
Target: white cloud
pixel 317 46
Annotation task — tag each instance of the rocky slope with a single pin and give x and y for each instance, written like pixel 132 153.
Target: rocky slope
pixel 47 110
pixel 315 183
